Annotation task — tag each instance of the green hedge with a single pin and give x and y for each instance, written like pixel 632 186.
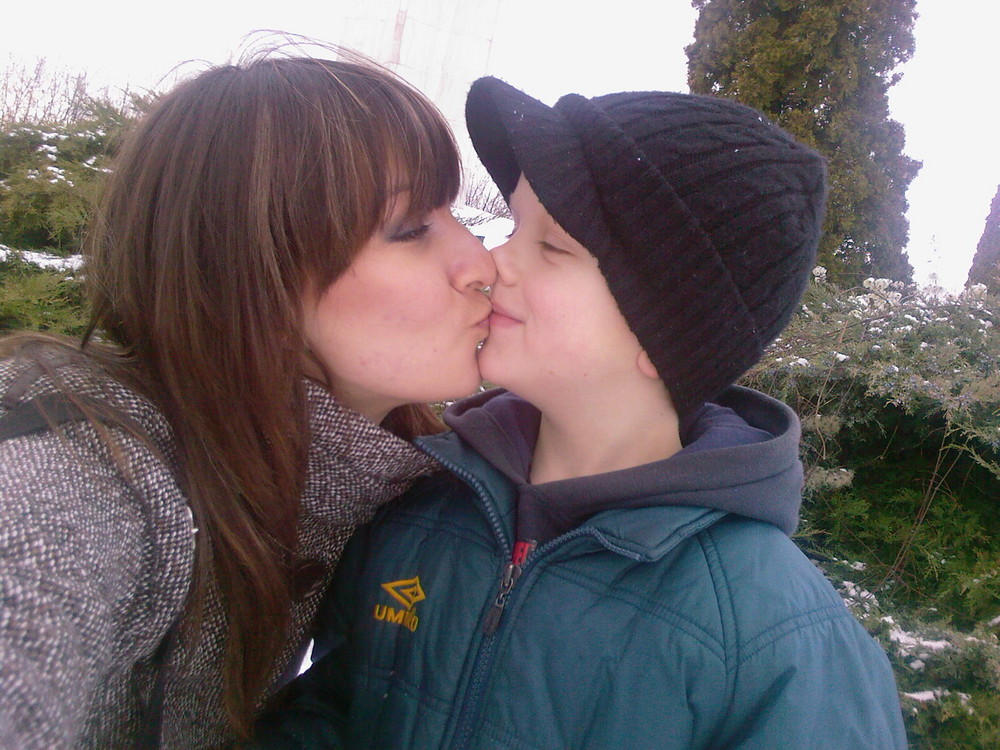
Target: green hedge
pixel 899 394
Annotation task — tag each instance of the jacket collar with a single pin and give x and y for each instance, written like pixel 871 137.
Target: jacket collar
pixel 740 456
pixel 643 534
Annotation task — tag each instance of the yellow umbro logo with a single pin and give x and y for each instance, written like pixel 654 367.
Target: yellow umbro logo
pixel 407 592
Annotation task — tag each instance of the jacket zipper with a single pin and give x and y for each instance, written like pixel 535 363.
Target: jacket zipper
pixel 520 560
pixel 464 724
pixel 510 575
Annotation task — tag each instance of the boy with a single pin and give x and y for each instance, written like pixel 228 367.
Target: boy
pixel 606 562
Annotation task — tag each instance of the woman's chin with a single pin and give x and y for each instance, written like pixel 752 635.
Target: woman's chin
pixel 465 387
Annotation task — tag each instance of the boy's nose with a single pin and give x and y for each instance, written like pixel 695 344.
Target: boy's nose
pixel 504 258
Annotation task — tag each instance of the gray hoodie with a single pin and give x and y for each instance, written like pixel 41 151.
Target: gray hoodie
pixel 739 455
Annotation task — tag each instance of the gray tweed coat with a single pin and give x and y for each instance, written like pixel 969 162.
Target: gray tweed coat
pixel 95 567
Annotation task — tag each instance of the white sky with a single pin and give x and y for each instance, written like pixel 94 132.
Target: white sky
pixel 947 100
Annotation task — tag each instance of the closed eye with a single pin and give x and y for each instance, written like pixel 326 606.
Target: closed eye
pixel 410 235
pixel 552 248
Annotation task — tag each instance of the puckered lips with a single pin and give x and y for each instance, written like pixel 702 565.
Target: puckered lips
pixel 482 320
pixel 502 318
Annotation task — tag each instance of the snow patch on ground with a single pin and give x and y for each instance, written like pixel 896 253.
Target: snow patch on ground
pixel 908 643
pixel 44 260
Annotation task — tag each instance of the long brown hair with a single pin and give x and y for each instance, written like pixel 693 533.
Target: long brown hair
pixel 242 187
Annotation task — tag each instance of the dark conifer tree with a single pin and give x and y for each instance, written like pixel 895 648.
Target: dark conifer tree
pixel 986 263
pixel 822 69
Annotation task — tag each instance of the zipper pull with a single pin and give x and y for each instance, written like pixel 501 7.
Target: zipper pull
pixel 510 576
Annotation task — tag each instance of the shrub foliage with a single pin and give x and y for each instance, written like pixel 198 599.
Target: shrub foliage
pixel 899 394
pixel 51 175
pixel 33 297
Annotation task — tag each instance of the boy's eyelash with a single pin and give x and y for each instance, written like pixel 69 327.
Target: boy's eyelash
pixel 546 246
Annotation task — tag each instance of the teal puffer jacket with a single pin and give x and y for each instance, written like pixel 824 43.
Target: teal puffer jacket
pixel 661 627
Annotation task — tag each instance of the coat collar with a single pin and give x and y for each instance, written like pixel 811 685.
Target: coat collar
pixel 644 534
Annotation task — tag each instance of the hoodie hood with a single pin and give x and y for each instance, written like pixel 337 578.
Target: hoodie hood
pixel 740 456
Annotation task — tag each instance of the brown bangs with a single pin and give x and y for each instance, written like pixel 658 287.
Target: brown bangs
pixel 425 159
pixel 374 136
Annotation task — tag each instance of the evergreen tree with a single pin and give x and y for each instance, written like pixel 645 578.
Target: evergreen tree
pixel 822 69
pixel 986 263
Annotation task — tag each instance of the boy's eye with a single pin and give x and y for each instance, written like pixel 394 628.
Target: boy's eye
pixel 552 248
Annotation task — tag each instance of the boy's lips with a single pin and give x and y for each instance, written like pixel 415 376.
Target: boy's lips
pixel 501 317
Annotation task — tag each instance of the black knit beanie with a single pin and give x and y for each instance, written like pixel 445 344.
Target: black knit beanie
pixel 703 215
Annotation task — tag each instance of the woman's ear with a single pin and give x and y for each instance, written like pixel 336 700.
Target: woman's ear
pixel 646 366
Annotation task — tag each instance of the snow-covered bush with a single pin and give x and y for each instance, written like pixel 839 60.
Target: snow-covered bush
pixel 899 394
pixel 50 176
pixel 40 292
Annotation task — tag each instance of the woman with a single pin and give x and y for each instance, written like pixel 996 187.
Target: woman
pixel 273 233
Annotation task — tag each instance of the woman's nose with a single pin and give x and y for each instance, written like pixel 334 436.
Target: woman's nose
pixel 476 268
